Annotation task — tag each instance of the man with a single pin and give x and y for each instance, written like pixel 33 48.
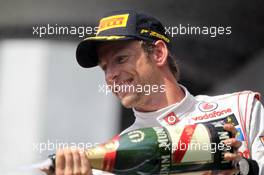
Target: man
pixel 133 51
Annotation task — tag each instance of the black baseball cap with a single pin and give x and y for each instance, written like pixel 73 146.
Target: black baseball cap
pixel 116 26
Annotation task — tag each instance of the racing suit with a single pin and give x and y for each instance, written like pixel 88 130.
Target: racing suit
pixel 242 109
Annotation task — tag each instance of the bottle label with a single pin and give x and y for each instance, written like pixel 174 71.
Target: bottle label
pixel 190 144
pixel 163 150
pixel 164 146
pixel 140 151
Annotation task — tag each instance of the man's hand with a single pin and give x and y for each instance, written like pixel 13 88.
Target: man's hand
pixel 233 142
pixel 71 162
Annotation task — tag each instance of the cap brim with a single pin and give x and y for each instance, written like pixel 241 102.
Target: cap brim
pixel 86 54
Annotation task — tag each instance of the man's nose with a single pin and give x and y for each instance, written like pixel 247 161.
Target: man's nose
pixel 111 74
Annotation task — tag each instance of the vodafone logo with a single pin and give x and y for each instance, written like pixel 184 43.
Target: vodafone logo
pixel 171 119
pixel 207 106
pixel 213 114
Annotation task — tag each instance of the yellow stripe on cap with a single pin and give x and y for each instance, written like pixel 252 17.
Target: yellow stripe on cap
pixel 105 37
pixel 113 22
pixel 155 34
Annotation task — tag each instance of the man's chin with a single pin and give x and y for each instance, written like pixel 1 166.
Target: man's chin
pixel 129 100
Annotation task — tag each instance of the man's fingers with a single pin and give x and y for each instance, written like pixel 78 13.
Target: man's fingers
pixel 230 128
pixel 71 161
pixel 68 161
pixel 232 156
pixel 233 143
pixel 76 162
pixel 60 162
pixel 85 165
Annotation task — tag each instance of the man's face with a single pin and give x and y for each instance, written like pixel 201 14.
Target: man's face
pixel 125 64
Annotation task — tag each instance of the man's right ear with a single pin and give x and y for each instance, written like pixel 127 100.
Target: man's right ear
pixel 160 53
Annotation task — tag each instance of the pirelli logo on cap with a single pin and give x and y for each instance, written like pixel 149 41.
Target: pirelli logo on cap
pixel 113 22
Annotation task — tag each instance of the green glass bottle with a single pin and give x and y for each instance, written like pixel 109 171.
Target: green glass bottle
pixel 195 149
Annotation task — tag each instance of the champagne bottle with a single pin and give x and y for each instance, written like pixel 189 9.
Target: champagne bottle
pixel 196 148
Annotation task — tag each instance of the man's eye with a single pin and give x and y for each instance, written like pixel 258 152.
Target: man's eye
pixel 122 59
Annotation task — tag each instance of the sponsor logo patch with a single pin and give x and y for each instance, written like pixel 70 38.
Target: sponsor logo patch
pixel 231 119
pixel 213 115
pixel 113 22
pixel 262 139
pixel 136 136
pixel 239 135
pixel 171 119
pixel 207 106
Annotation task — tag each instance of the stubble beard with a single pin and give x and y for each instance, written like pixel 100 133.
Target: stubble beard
pixel 131 100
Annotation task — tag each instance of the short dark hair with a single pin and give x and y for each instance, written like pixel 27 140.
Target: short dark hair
pixel 149 47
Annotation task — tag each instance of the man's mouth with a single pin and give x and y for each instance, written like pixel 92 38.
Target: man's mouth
pixel 126 82
pixel 124 87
